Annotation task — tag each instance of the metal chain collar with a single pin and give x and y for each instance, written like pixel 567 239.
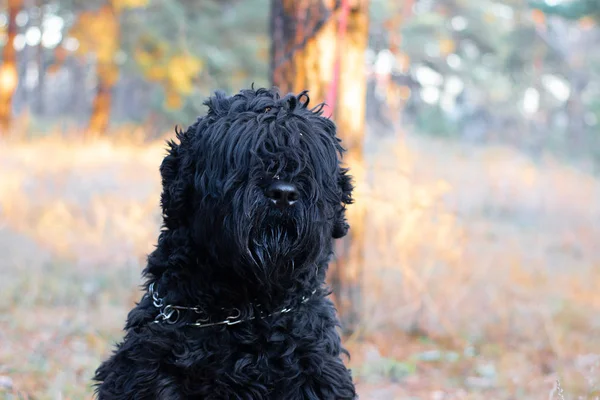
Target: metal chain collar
pixel 171 314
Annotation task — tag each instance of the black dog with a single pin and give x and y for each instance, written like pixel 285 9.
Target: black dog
pixel 237 308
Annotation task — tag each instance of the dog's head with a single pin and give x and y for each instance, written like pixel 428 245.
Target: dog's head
pixel 257 181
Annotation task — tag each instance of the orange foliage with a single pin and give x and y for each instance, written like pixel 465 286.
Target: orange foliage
pixel 175 71
pixel 587 23
pixel 447 46
pixel 182 68
pixel 98 34
pixel 8 72
pixel 124 4
pixel 538 17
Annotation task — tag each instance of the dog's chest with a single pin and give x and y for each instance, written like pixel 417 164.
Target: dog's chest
pixel 259 362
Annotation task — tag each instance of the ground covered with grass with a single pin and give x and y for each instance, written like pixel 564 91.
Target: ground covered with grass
pixel 480 282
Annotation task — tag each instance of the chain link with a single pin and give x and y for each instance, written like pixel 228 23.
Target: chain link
pixel 171 314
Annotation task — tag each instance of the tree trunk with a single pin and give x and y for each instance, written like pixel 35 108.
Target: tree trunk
pixel 306 39
pixel 9 77
pixel 303 35
pixel 101 106
pixel 107 72
pixel 350 112
pixel 39 104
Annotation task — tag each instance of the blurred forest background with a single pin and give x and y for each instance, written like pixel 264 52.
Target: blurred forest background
pixel 473 132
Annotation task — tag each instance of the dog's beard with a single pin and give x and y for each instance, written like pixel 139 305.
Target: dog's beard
pixel 276 239
pixel 263 244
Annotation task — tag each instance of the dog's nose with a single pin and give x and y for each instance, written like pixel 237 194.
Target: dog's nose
pixel 282 194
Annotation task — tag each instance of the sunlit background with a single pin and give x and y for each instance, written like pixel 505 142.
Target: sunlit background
pixel 478 169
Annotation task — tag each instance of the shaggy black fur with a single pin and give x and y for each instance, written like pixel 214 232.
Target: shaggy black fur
pixel 225 246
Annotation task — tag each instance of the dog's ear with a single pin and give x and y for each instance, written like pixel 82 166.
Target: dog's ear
pixel 340 226
pixel 173 195
pixel 344 181
pixel 173 200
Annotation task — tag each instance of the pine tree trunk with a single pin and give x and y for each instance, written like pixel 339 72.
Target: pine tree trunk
pixel 350 113
pixel 299 64
pixel 296 66
pixel 101 106
pixel 9 77
pixel 39 105
pixel 107 74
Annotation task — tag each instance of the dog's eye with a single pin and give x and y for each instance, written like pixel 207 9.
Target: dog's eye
pixel 267 109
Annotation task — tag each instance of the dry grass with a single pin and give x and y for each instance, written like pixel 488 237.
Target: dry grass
pixel 481 274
